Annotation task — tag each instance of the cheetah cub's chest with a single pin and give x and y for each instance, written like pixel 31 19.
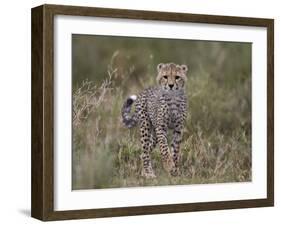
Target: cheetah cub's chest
pixel 175 103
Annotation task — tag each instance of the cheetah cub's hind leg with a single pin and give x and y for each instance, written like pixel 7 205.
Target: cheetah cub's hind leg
pixel 145 130
pixel 153 140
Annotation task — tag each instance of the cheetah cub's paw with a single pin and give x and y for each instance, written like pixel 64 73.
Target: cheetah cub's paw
pixel 170 167
pixel 148 174
pixel 175 172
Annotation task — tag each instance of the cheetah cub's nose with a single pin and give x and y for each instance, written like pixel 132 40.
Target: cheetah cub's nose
pixel 171 86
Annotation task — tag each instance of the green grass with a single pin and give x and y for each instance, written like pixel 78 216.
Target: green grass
pixel 216 147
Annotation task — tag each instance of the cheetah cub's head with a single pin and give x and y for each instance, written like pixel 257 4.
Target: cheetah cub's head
pixel 171 76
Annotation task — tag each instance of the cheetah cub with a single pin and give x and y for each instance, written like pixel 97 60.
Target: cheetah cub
pixel 158 109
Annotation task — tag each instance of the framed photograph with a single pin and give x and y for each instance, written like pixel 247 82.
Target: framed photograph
pixel 141 112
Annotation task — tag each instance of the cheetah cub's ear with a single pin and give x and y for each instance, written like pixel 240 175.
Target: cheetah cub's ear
pixel 184 68
pixel 160 66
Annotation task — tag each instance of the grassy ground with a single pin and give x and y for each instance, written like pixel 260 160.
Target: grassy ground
pixel 217 138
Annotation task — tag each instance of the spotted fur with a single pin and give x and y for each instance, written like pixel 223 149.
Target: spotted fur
pixel 158 109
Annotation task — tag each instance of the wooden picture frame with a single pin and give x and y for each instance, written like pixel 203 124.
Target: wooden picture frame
pixel 42 203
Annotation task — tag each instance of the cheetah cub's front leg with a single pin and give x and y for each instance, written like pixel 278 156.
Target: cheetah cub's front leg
pixel 161 134
pixel 166 156
pixel 175 146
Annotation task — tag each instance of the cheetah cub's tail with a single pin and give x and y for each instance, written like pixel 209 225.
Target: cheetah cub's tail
pixel 129 120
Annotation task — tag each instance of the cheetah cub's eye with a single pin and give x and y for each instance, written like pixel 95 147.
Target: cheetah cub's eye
pixel 177 77
pixel 165 76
